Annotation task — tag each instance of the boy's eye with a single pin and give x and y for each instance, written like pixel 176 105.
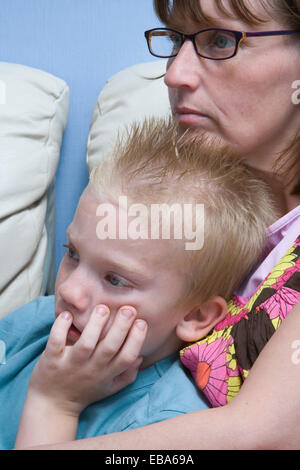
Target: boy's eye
pixel 116 281
pixel 71 252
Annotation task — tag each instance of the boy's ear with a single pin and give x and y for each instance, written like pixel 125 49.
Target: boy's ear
pixel 201 319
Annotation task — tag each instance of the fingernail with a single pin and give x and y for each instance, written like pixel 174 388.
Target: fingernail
pixel 141 324
pixel 101 311
pixel 127 312
pixel 66 315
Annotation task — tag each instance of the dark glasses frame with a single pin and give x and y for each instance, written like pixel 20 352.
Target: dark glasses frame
pixel 239 36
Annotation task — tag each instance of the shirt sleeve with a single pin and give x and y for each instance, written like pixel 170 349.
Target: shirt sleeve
pixel 23 336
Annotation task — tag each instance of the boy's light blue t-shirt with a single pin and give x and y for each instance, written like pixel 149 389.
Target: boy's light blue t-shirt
pixel 162 391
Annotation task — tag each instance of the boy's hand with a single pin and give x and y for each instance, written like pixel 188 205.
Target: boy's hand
pixel 70 378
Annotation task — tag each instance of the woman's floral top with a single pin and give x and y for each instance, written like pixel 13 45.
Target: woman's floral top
pixel 221 361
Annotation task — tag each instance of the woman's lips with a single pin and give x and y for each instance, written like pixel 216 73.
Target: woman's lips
pixel 189 115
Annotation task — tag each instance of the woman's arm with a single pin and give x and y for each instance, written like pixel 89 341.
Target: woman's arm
pixel 264 415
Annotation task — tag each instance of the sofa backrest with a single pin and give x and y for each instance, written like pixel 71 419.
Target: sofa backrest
pixel 84 42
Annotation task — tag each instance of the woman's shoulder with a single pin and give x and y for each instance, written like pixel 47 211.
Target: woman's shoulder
pixel 221 362
pixel 280 238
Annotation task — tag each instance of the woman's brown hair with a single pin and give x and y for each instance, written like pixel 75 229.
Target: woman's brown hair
pixel 174 12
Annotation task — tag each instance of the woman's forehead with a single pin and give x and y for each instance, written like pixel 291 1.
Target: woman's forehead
pixel 212 12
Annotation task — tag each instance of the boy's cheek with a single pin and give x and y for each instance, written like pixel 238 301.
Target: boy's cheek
pixel 61 275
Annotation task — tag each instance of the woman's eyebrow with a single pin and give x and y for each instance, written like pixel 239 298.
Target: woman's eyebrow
pixel 211 23
pixel 203 23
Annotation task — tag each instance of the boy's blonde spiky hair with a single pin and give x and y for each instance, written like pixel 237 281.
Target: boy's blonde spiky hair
pixel 151 165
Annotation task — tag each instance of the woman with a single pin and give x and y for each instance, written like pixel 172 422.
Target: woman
pixel 247 101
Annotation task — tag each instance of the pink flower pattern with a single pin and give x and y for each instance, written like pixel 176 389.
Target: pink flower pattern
pixel 281 303
pixel 214 356
pixel 213 361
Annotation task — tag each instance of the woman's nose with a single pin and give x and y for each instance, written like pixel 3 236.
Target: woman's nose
pixel 75 291
pixel 184 69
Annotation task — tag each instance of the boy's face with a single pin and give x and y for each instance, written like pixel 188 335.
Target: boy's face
pixel 140 273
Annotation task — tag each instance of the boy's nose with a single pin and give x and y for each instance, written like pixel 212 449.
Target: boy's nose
pixel 184 69
pixel 75 293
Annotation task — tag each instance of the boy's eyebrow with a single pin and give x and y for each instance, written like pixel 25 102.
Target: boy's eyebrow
pixel 127 270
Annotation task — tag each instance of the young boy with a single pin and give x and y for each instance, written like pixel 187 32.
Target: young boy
pixel 129 293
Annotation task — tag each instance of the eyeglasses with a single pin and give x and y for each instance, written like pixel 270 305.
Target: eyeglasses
pixel 212 43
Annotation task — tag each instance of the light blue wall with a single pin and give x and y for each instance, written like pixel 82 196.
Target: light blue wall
pixel 83 42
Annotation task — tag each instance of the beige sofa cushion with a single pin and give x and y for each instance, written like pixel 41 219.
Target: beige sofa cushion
pixel 130 95
pixel 33 116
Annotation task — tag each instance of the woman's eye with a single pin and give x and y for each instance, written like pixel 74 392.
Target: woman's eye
pixel 116 281
pixel 176 42
pixel 224 42
pixel 71 252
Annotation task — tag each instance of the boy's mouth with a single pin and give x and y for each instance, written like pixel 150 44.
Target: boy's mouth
pixel 73 333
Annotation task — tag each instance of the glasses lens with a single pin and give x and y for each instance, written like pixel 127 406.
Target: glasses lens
pixel 165 43
pixel 216 44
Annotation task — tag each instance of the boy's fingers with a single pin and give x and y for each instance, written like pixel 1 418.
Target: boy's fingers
pixel 132 346
pixel 89 337
pixel 127 377
pixel 111 344
pixel 58 334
